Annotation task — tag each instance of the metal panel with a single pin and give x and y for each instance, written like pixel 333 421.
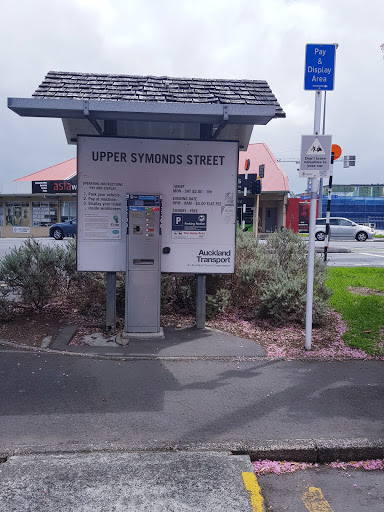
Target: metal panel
pixel 142 111
pixel 143 302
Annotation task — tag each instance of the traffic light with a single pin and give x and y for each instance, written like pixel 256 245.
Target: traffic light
pixel 247 164
pixel 349 161
pixel 256 187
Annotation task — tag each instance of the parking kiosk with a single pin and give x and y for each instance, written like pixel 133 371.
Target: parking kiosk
pixel 143 274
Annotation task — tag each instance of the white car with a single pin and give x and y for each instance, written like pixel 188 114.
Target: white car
pixel 343 228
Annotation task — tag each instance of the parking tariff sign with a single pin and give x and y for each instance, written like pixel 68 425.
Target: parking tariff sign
pixel 189 225
pixel 319 71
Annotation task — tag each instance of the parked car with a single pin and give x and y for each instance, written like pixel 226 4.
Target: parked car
pixel 343 228
pixel 62 229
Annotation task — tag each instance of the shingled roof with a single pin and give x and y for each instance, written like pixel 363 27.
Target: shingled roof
pixel 89 86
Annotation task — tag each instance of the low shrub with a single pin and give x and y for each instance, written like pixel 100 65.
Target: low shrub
pixel 8 306
pixel 282 292
pixel 40 274
pixel 178 293
pixel 269 282
pixel 218 303
pixel 33 271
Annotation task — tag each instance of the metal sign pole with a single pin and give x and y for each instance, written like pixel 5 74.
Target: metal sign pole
pixel 321 179
pixel 311 242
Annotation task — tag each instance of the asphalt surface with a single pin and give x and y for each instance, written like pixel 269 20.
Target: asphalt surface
pixel 239 399
pixel 324 490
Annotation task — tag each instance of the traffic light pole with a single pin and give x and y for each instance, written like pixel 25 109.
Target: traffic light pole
pixel 256 217
pixel 245 199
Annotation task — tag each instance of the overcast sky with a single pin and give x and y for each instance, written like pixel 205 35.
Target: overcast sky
pixel 258 40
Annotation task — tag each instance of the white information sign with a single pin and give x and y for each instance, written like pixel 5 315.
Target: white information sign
pixel 102 225
pixel 197 181
pixel 21 230
pixel 315 156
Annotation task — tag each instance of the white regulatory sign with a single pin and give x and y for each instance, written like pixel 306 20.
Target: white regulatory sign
pixel 315 156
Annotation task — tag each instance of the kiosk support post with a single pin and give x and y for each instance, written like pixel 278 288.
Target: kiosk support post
pixel 110 129
pixel 110 313
pixel 201 295
pixel 200 301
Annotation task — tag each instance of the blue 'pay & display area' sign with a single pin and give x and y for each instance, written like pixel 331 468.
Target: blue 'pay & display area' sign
pixel 319 67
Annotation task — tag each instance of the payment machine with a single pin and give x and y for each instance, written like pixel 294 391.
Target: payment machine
pixel 143 274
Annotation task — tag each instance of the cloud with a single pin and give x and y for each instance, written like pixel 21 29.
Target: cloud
pixel 262 40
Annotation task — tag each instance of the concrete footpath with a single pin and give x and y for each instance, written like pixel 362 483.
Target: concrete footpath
pixel 167 482
pixel 166 424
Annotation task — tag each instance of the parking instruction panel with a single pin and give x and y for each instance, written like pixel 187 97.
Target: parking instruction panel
pixel 197 181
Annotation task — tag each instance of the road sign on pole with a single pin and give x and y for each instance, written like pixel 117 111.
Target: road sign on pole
pixel 336 150
pixel 315 156
pixel 349 161
pixel 319 67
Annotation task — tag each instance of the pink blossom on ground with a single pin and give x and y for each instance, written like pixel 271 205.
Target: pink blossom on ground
pixel 288 342
pixel 360 464
pixel 266 467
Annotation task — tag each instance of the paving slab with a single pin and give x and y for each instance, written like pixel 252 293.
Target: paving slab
pixel 133 482
pixel 178 342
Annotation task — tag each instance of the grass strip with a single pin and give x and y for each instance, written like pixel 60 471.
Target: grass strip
pixel 358 295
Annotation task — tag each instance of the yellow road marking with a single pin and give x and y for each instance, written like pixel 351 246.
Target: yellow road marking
pixel 314 500
pixel 253 488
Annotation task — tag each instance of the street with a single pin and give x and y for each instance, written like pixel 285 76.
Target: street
pixel 362 254
pixel 56 400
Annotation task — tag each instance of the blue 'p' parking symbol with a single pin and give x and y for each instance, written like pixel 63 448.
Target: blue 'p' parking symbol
pixel 177 221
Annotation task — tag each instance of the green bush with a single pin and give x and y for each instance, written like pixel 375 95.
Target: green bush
pixel 276 279
pixel 33 271
pixel 8 306
pixel 269 282
pixel 40 274
pixel 178 293
pixel 217 303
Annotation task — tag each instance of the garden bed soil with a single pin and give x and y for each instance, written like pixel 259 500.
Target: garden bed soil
pixel 34 327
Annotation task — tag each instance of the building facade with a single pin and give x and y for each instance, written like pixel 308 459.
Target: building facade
pixel 273 200
pixel 28 206
pixel 31 204
pixel 360 203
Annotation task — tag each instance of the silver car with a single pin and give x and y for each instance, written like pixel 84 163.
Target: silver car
pixel 343 228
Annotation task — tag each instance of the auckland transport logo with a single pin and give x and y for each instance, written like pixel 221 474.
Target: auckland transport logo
pixel 214 256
